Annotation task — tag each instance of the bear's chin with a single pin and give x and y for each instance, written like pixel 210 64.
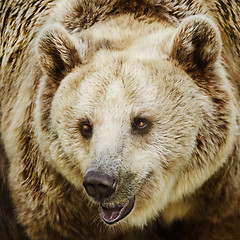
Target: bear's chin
pixel 115 212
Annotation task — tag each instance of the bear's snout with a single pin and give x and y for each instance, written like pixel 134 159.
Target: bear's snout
pixel 99 185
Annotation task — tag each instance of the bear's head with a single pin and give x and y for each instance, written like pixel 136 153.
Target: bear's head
pixel 140 127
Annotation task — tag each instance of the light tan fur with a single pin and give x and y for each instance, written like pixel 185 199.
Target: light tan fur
pixel 110 62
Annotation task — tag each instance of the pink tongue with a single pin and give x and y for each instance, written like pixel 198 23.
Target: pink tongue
pixel 110 215
pixel 113 215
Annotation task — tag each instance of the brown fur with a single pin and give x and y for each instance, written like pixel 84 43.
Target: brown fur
pixel 49 203
pixel 9 227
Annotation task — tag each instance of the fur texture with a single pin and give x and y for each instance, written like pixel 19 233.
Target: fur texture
pixel 115 66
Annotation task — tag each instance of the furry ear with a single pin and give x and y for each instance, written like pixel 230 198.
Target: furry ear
pixel 59 52
pixel 196 44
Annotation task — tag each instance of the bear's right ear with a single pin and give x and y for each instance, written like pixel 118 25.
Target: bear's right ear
pixel 58 52
pixel 196 44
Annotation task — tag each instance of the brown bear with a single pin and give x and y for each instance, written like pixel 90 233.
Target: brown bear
pixel 118 116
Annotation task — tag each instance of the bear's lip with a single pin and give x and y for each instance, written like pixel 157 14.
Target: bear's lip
pixel 115 212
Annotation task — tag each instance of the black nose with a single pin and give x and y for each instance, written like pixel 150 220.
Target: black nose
pixel 99 185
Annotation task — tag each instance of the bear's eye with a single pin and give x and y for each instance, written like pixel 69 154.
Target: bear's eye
pixel 86 129
pixel 141 125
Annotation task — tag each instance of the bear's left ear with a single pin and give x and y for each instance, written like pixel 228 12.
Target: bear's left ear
pixel 59 52
pixel 196 44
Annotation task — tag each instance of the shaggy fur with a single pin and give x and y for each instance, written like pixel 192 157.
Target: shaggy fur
pixel 9 228
pixel 174 64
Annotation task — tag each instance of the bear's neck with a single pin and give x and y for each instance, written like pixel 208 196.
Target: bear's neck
pixel 215 200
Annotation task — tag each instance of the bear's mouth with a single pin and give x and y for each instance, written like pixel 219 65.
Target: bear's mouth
pixel 115 212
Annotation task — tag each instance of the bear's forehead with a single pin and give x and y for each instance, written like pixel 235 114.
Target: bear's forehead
pixel 118 97
pixel 120 80
pixel 119 87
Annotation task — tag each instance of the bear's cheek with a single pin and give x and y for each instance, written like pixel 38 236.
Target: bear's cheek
pixel 151 197
pixel 157 167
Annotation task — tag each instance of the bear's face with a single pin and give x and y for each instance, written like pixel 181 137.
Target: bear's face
pixel 140 127
pixel 130 126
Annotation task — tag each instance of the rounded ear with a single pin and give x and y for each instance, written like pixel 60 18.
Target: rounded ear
pixel 196 44
pixel 58 52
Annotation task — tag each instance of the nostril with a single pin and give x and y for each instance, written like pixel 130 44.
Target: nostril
pixel 99 185
pixel 90 189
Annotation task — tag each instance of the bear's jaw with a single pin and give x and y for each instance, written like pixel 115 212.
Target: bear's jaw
pixel 113 213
